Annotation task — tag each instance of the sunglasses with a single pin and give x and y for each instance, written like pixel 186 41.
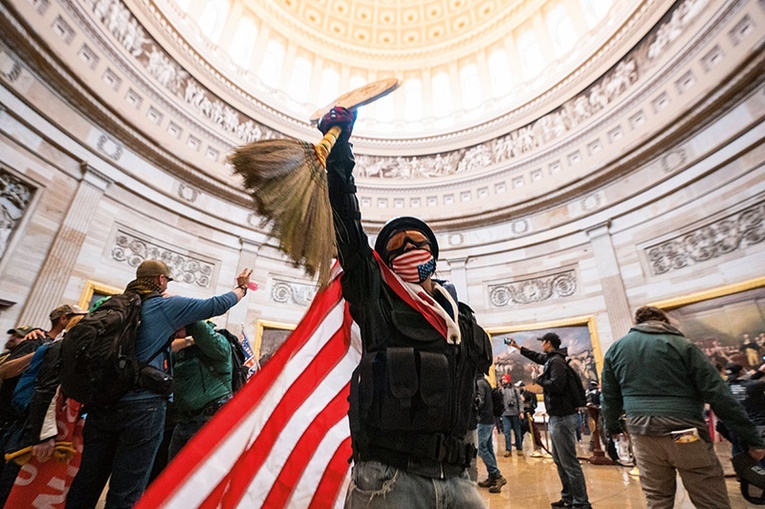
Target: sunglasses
pixel 398 241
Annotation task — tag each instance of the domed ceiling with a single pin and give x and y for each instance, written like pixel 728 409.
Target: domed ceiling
pixel 462 63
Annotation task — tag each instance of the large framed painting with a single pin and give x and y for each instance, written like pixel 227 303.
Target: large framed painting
pixel 727 323
pixel 269 337
pixel 93 292
pixel 578 336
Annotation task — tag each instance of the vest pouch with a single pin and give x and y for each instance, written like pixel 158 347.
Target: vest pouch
pixel 402 385
pixel 435 387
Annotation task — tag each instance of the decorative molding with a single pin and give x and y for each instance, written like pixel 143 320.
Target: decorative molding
pixel 726 235
pixel 188 193
pixel 15 196
pixel 130 249
pixel 537 289
pixel 110 147
pixel 9 67
pixel 285 292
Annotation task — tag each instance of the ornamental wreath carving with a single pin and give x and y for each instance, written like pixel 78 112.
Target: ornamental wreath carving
pixel 527 291
pixel 132 250
pixel 296 293
pixel 14 200
pixel 708 242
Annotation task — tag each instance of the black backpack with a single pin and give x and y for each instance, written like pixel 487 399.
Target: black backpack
pixel 575 387
pixel 497 402
pixel 239 372
pixel 98 364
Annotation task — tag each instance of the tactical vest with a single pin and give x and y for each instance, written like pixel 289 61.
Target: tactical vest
pixel 412 395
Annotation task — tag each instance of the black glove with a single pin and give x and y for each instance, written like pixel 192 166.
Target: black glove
pixel 338 116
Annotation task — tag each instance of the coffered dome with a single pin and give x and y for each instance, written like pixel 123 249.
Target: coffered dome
pixel 461 62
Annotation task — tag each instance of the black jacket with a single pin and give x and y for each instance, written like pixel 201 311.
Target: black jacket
pixel 559 400
pixel 412 390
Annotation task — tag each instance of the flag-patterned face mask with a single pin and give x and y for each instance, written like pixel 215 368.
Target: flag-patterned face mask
pixel 414 266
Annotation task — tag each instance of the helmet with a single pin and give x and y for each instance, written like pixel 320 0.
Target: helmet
pixel 398 224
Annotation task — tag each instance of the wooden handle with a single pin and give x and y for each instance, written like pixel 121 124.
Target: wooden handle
pixel 324 147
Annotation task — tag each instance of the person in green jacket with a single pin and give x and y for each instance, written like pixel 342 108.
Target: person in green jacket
pixel 202 375
pixel 662 381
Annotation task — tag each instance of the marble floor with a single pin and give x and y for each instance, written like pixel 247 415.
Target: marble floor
pixel 533 482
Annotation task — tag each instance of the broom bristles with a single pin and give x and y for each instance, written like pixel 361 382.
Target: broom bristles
pixel 289 187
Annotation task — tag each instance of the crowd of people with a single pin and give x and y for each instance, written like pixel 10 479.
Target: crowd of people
pixel 120 441
pixel 420 405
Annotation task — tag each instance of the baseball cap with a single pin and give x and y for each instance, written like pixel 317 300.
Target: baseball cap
pixel 733 369
pixel 553 338
pixel 152 268
pixel 21 330
pixel 66 310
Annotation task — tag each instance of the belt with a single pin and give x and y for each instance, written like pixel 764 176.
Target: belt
pixel 432 455
pixel 206 411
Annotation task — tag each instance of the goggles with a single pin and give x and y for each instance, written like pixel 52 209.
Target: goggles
pixel 397 242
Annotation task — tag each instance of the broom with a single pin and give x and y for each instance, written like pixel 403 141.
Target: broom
pixel 287 180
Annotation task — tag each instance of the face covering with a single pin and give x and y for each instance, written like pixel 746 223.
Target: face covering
pixel 414 266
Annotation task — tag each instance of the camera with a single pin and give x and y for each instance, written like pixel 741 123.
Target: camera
pixel 508 341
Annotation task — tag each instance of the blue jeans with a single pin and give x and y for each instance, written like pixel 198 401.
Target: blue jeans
pixel 563 439
pixel 121 442
pixel 512 422
pixel 486 448
pixel 375 485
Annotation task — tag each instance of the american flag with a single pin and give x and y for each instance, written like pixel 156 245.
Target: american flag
pixel 284 440
pixel 251 361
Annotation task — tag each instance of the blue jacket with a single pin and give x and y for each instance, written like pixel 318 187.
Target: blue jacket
pixel 161 317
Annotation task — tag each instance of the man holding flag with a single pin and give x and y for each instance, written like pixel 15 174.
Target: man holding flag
pixel 412 394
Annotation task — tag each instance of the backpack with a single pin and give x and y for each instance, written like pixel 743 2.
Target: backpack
pixel 575 387
pixel 239 372
pixel 497 402
pixel 98 364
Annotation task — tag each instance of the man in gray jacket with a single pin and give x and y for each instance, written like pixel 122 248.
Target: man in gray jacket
pixel 661 381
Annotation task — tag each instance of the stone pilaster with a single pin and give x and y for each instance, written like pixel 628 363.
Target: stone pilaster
pixel 51 281
pixel 237 316
pixel 459 278
pixel 615 296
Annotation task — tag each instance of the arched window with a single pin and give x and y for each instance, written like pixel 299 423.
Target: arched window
pixel 561 30
pixel 472 95
pixel 531 54
pixel 213 18
pixel 595 10
pixel 441 94
pixel 329 87
pixel 499 70
pixel 243 43
pixel 300 80
pixel 413 100
pixel 271 68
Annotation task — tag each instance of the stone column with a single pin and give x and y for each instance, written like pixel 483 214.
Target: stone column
pixel 617 307
pixel 459 278
pixel 237 316
pixel 48 289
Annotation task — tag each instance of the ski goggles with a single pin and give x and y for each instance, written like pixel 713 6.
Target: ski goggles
pixel 397 242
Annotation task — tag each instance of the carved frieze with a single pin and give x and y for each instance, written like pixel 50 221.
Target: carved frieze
pixel 131 249
pixel 710 241
pixel 14 200
pixel 285 292
pixel 537 289
pixel 117 19
pixel 9 67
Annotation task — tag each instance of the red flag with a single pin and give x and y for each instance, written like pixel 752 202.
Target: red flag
pixel 46 484
pixel 284 440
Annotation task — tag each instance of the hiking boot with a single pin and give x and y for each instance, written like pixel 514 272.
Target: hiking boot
pixel 561 503
pixel 508 453
pixel 498 483
pixel 487 483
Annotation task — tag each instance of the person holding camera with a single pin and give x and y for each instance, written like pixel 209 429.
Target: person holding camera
pixel 120 441
pixel 564 418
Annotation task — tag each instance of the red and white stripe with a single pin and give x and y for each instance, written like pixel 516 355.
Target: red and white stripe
pixel 284 440
pixel 406 263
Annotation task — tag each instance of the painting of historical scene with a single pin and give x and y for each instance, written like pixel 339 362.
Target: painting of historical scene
pixel 270 336
pixel 577 340
pixel 727 328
